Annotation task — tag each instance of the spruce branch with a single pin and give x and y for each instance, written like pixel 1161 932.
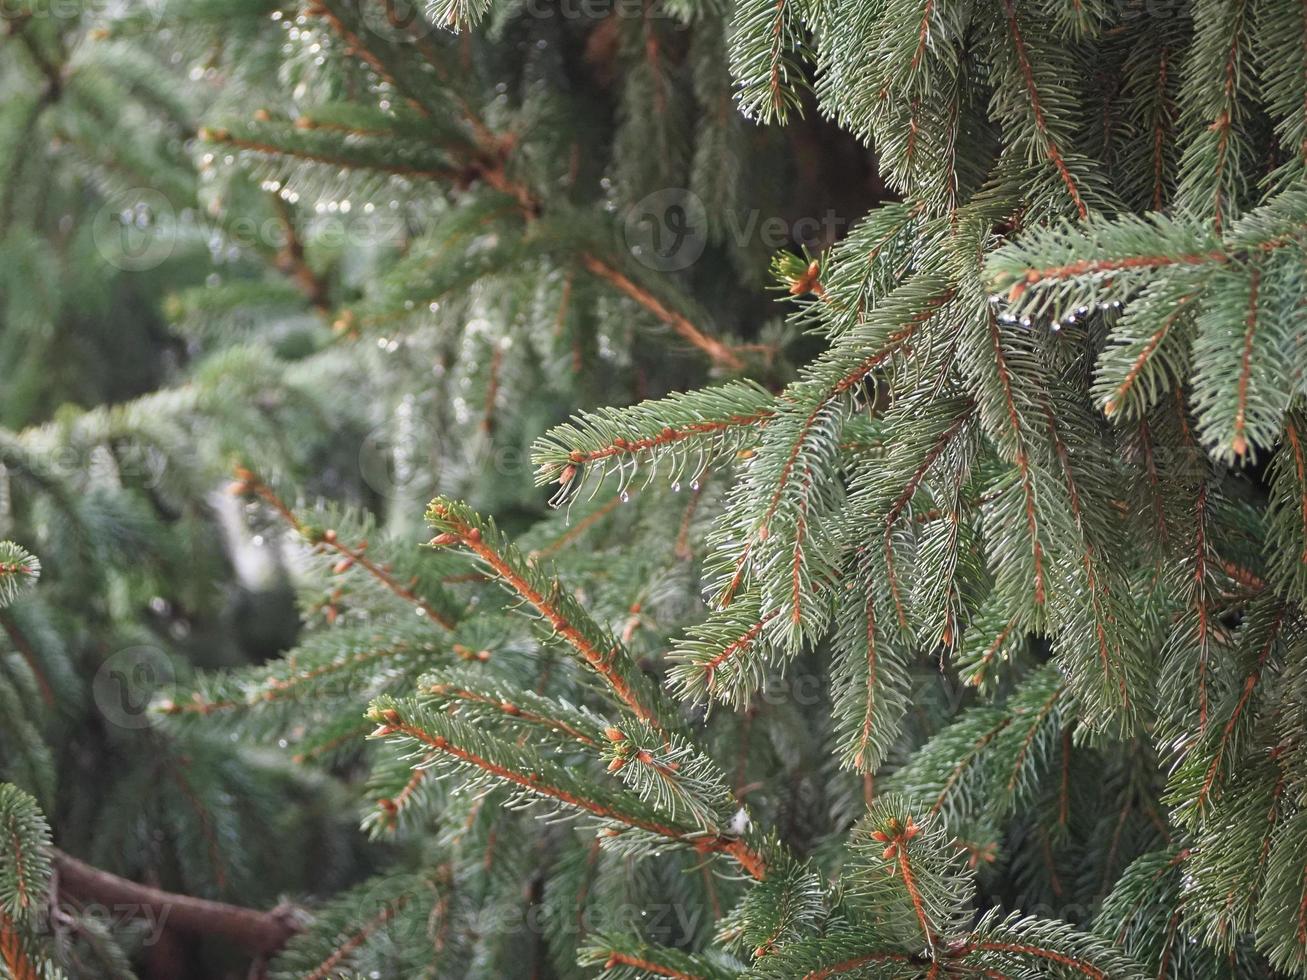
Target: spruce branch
pixel 1238 389
pixel 672 775
pixel 351 555
pixel 1228 882
pixel 1211 178
pixel 458 15
pixel 790 489
pixel 1047 107
pixel 25 867
pixel 322 668
pixel 1050 948
pixel 1287 509
pixel 765 37
pixel 869 678
pixel 475 698
pixel 991 760
pixel 489 165
pixel 303 144
pixel 487 758
pixel 721 355
pixel 905 875
pixel 838 953
pixel 292 260
pixel 332 942
pixel 1149 352
pixel 1279 35
pixel 539 589
pixel 1209 763
pixel 718 658
pixel 705 426
pixel 19 571
pixel 623 957
pixel 787 907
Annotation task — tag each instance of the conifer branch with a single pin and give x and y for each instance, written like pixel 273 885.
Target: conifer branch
pixel 717 649
pixel 359 48
pixel 492 172
pixel 709 425
pixel 533 778
pixel 13 954
pixel 19 571
pixel 351 554
pixel 1039 952
pixel 616 959
pixel 1245 694
pixel 623 957
pixel 329 967
pixel 293 261
pixel 597 648
pixel 721 355
pixel 224 137
pixel 473 696
pixel 1051 148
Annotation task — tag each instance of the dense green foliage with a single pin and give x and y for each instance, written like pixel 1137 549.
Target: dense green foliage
pixel 933 604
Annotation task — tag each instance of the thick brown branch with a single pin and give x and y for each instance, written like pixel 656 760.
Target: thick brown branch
pixel 258 932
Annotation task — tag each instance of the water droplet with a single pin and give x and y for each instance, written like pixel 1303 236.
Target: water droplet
pixel 676 487
pixel 694 485
pixel 625 496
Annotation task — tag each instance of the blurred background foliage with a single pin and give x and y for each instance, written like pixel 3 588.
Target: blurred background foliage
pixel 174 301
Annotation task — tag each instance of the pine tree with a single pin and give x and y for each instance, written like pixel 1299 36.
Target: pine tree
pixel 931 605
